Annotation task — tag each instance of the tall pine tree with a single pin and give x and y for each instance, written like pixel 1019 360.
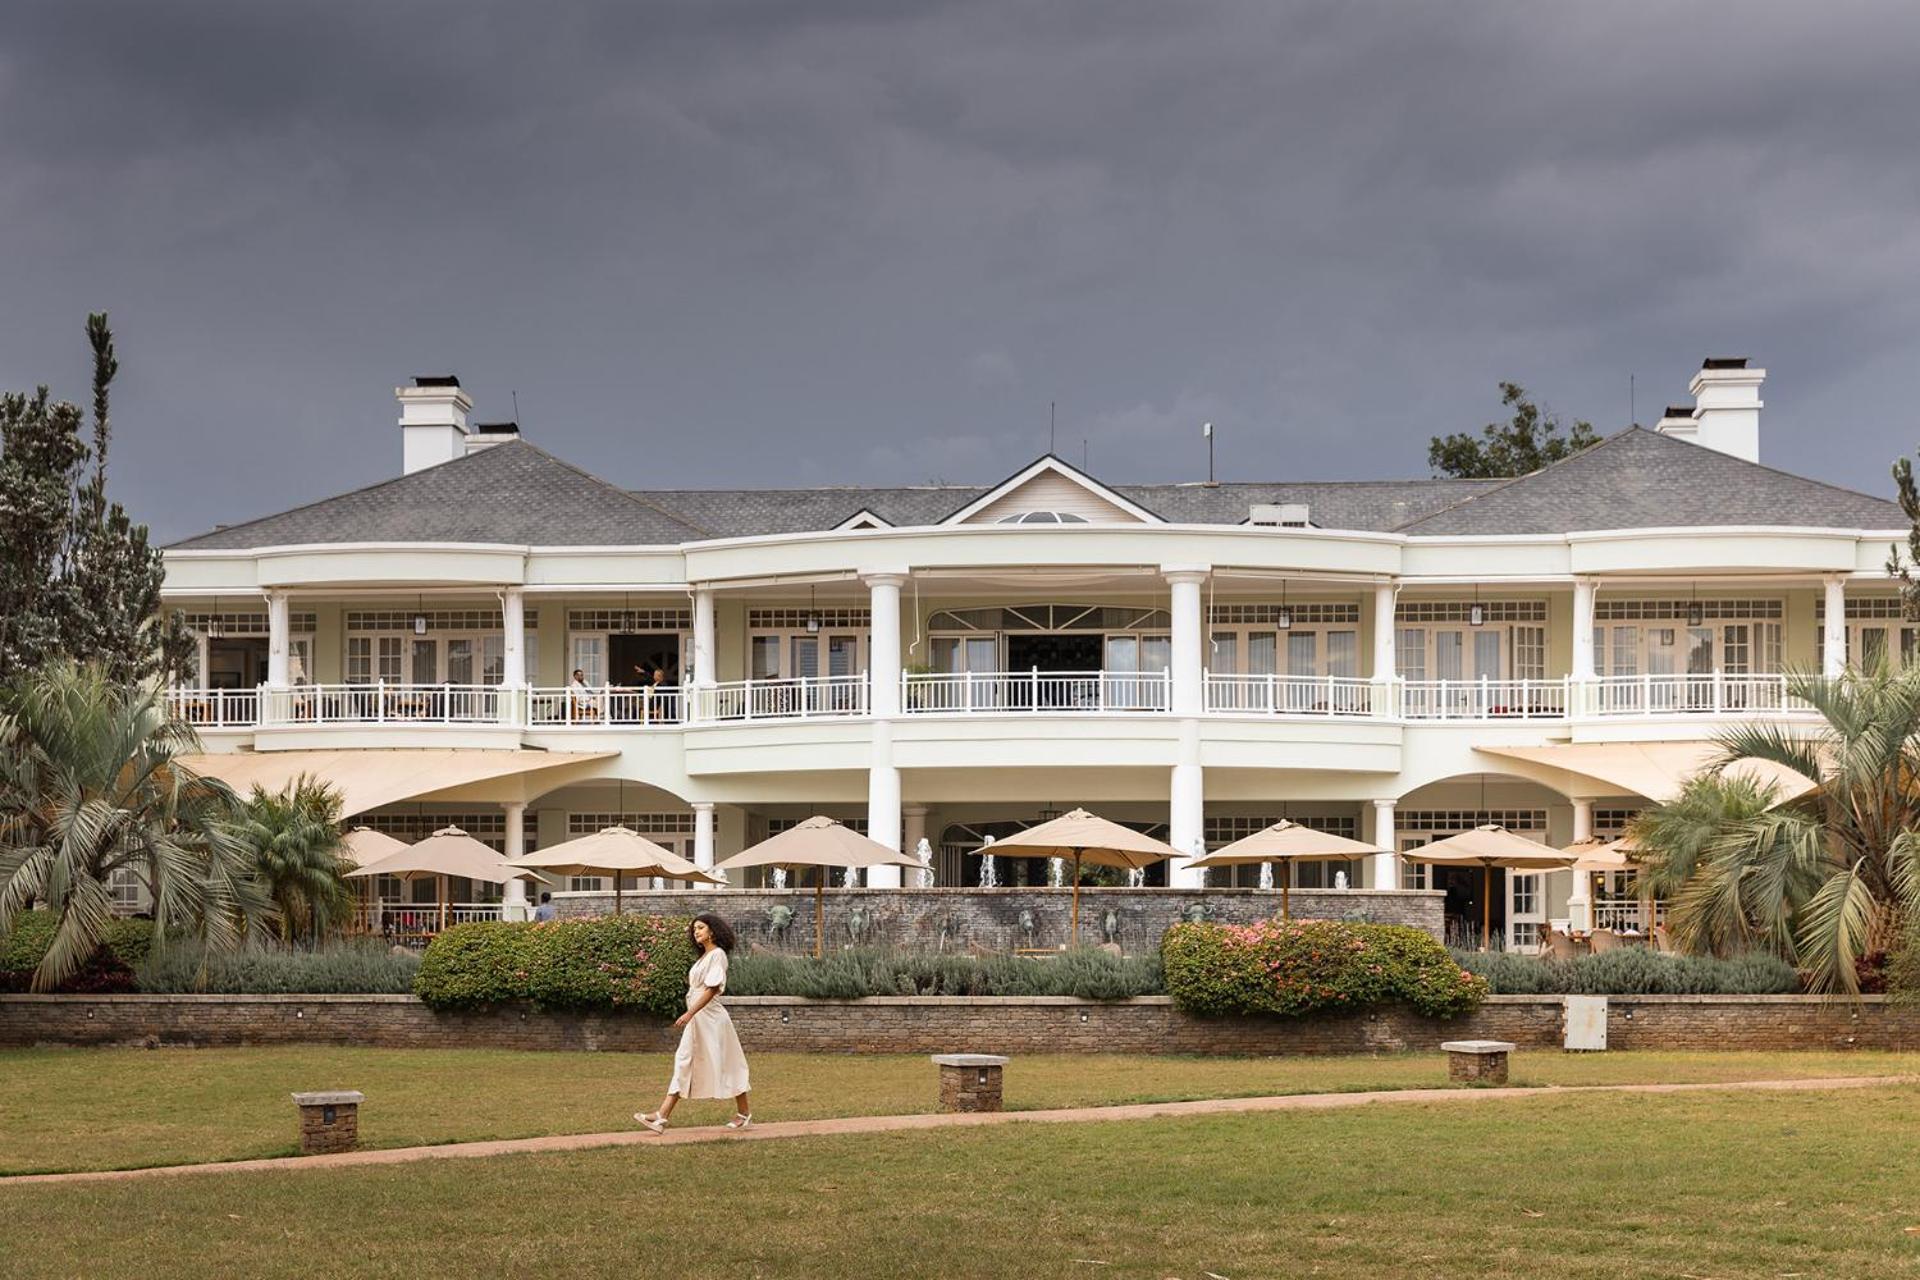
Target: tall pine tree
pixel 78 578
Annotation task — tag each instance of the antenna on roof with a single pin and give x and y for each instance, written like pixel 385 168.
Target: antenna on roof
pixel 1083 456
pixel 1206 429
pixel 516 404
pixel 1633 412
pixel 1051 406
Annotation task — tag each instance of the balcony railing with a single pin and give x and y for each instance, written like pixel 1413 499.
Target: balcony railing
pixel 802 698
pixel 993 692
pixel 1483 699
pixel 380 703
pixel 418 920
pixel 1662 695
pixel 988 693
pixel 1290 695
pixel 597 708
pixel 215 708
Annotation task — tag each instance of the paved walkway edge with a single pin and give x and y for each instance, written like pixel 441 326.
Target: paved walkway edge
pixel 894 1124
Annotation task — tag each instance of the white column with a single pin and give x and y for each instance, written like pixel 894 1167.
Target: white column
pixel 1189 645
pixel 703 835
pixel 883 646
pixel 279 624
pixel 1834 625
pixel 1386 864
pixel 513 625
pixel 1580 901
pixel 703 650
pixel 1583 592
pixel 1187 810
pixel 883 804
pixel 513 903
pixel 1386 661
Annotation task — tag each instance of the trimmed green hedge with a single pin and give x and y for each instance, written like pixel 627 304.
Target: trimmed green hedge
pixel 616 962
pixel 122 950
pixel 1632 971
pixel 1309 966
pixel 346 967
pixel 1088 973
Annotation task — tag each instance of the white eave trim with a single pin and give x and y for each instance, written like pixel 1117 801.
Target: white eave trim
pixel 862 519
pixel 1073 474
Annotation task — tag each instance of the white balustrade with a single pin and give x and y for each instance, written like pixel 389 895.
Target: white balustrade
pixel 1707 693
pixel 393 918
pixel 568 707
pixel 1290 695
pixel 322 704
pixel 1483 699
pixel 215 708
pixel 802 698
pixel 998 692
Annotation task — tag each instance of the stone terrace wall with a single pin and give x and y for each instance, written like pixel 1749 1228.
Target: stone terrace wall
pixel 964 920
pixel 935 1024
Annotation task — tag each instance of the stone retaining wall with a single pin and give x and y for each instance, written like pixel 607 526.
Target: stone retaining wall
pixel 965 920
pixel 934 1024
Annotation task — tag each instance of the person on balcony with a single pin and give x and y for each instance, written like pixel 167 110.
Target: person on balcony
pixel 580 698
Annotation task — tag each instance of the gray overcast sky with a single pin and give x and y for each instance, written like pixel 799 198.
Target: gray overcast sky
pixel 723 244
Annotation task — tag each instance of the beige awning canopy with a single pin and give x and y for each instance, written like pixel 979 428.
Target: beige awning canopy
pixel 369 779
pixel 364 845
pixel 1656 770
pixel 447 852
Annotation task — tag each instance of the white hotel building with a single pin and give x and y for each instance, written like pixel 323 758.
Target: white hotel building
pixel 1395 660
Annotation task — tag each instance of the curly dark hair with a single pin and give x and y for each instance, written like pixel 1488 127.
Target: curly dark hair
pixel 722 933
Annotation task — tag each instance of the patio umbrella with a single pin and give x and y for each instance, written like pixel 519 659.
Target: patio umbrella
pixel 363 845
pixel 822 843
pixel 1284 842
pixel 1594 854
pixel 1488 847
pixel 614 851
pixel 446 853
pixel 1084 837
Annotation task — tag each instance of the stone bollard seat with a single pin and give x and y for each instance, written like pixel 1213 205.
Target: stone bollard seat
pixel 970 1081
pixel 1477 1061
pixel 329 1121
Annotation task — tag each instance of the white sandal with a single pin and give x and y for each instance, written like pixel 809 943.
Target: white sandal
pixel 654 1122
pixel 740 1122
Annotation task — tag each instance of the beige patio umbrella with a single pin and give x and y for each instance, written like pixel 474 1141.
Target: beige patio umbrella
pixel 824 844
pixel 1488 847
pixel 447 853
pixel 1285 842
pixel 363 845
pixel 1083 837
pixel 614 851
pixel 1594 854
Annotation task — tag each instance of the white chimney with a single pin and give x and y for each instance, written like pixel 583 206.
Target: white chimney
pixel 1726 409
pixel 488 434
pixel 433 422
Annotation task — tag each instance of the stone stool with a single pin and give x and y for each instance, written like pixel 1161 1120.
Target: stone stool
pixel 329 1122
pixel 969 1081
pixel 1477 1061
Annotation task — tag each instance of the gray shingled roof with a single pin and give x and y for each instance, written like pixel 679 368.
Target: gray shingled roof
pixel 517 493
pixel 1640 479
pixel 511 493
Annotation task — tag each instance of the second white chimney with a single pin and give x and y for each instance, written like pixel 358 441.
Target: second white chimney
pixel 1726 409
pixel 433 422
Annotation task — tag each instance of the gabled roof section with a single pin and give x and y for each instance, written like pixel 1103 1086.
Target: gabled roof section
pixel 745 513
pixel 1639 479
pixel 514 493
pixel 1046 481
pixel 863 519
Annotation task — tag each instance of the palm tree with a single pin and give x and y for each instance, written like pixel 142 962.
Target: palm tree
pixel 294 836
pixel 91 782
pixel 1824 879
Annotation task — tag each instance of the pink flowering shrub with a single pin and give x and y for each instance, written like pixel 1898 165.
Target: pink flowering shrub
pixel 1305 966
pixel 615 962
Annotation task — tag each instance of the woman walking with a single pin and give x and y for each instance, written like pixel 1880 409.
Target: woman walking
pixel 708 1063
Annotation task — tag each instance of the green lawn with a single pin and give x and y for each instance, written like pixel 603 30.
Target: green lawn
pixel 1563 1186
pixel 66 1109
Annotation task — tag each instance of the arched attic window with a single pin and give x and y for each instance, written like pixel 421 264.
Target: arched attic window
pixel 1042 517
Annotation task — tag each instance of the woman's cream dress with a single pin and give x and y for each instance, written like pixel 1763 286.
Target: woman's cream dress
pixel 708 1063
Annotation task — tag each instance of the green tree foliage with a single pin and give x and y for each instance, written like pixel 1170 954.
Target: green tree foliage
pixel 1897 565
pixel 294 837
pixel 1826 880
pixel 91 782
pixel 78 577
pixel 1526 442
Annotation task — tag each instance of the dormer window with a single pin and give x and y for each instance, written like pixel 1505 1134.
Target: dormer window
pixel 1042 517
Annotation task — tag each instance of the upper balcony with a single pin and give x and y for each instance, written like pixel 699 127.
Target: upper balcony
pixel 1703 696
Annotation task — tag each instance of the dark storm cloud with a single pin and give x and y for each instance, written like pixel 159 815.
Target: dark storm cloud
pixel 717 244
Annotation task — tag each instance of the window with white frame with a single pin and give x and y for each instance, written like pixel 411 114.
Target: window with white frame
pixel 806 644
pixel 1462 640
pixel 1688 637
pixel 1319 639
pixel 1877 631
pixel 456 647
